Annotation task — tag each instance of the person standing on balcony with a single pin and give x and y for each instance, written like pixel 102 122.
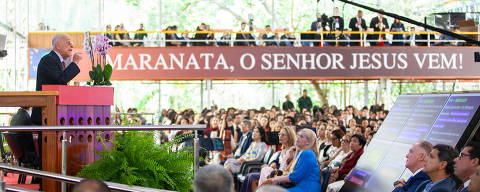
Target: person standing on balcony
pixel 336 22
pixel 357 24
pixel 244 36
pixel 378 24
pixel 139 36
pixel 397 26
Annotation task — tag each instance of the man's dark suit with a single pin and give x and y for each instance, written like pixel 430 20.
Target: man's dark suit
pixel 445 185
pixel 353 26
pixel 373 24
pixel 413 182
pixel 244 36
pixel 50 72
pixel 333 20
pixel 244 146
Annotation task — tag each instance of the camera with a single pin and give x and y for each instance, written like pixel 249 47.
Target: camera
pixel 3 53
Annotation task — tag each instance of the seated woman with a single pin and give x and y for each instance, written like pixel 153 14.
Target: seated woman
pixel 324 151
pixel 357 143
pixel 255 152
pixel 287 139
pixel 335 137
pixel 336 160
pixel 304 170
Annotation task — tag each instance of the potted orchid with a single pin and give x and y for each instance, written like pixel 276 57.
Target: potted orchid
pixel 101 70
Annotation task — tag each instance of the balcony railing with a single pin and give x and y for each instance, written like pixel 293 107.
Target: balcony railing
pixel 228 38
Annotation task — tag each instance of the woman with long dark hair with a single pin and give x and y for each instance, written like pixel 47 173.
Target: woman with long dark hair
pixel 255 152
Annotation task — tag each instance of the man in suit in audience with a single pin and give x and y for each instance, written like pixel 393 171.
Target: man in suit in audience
pixel 245 139
pixel 356 24
pixel 375 24
pixel 439 167
pixel 415 163
pixel 466 164
pixel 55 68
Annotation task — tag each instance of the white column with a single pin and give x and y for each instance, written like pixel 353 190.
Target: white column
pixel 365 93
pixel 273 93
pixel 201 95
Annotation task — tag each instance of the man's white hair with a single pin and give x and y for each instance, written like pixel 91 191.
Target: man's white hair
pixel 56 38
pixel 213 178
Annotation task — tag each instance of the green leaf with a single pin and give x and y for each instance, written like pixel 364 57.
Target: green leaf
pixel 107 72
pixel 137 160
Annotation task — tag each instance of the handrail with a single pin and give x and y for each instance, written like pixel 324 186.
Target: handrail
pixel 120 113
pixel 102 128
pixel 196 149
pixel 72 179
pixel 235 32
pixel 15 189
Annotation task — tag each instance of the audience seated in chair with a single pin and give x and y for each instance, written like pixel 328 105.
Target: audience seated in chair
pixel 439 167
pixel 287 139
pixel 357 143
pixel 304 171
pixel 344 151
pixel 466 164
pixel 416 157
pixel 255 152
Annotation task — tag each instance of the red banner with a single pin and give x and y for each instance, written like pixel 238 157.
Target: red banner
pixel 182 63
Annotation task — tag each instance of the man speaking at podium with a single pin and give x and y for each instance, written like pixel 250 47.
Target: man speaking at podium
pixel 54 68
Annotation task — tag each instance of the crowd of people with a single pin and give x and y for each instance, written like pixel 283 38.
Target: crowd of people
pixel 332 31
pixel 308 140
pixel 303 141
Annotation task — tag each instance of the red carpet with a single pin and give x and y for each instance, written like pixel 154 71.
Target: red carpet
pixel 12 179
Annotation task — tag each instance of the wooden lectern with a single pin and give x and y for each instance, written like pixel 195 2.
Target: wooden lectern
pixel 76 105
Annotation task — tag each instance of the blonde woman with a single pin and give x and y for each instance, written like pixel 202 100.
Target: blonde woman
pixel 304 171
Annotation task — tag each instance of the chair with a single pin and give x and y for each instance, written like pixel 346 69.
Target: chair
pixel 251 166
pixel 326 177
pixel 17 152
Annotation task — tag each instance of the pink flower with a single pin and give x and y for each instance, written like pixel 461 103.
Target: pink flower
pixel 101 45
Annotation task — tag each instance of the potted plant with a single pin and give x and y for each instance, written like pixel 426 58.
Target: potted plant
pixel 137 160
pixel 101 70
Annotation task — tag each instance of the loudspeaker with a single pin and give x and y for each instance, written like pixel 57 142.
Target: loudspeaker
pixel 477 56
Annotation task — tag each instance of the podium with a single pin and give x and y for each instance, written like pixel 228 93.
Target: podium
pixel 76 106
